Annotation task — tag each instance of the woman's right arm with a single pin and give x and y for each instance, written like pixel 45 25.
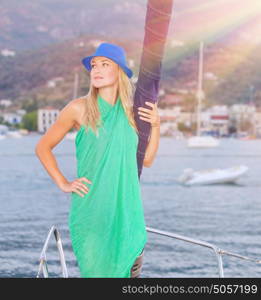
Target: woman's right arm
pixel 43 149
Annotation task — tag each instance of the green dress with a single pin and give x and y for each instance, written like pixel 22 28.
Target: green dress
pixel 107 225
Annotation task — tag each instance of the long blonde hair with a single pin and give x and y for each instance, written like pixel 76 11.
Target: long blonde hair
pixel 125 91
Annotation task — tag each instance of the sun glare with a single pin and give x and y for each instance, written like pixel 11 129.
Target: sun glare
pixel 257 4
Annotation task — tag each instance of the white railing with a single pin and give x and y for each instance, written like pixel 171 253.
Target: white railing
pixel 43 261
pixel 218 252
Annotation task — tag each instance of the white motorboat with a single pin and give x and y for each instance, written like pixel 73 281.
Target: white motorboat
pixel 212 176
pixel 202 142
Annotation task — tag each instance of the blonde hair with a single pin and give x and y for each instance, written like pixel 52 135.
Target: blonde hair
pixel 125 91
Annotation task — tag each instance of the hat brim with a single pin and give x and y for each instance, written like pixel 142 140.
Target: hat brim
pixel 86 61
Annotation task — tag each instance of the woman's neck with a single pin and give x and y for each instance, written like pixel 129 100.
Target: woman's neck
pixel 109 94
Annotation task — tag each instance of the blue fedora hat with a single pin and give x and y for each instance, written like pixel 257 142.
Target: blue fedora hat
pixel 111 51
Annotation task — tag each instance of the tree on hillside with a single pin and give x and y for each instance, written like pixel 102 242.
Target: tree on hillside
pixel 29 121
pixel 30 105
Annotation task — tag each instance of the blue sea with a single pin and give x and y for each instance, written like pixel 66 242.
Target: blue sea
pixel 226 215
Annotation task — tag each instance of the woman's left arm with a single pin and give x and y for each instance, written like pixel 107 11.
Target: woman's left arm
pixel 151 116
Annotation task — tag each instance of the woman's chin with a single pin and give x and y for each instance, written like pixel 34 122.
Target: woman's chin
pixel 100 85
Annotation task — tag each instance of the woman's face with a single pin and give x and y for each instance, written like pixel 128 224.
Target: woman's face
pixel 104 72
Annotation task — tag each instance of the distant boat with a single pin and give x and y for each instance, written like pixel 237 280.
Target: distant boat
pixel 248 138
pixel 200 141
pixel 13 134
pixel 71 135
pixel 24 131
pixel 3 131
pixel 212 176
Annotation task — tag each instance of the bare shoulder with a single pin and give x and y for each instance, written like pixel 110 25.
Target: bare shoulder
pixel 77 106
pixel 69 117
pixel 77 103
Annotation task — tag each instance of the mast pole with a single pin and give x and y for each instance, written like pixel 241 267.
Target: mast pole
pixel 200 90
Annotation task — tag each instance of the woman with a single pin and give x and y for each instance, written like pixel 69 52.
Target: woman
pixel 106 219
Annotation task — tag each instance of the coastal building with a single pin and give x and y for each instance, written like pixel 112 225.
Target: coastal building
pixel 257 124
pixel 218 116
pixel 242 117
pixel 12 118
pixel 53 82
pixel 170 119
pixel 5 102
pixel 7 52
pixel 46 116
pixel 169 114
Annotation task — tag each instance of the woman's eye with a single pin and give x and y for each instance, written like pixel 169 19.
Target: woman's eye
pixel 105 64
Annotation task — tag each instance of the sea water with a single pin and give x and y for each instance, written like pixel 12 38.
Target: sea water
pixel 226 215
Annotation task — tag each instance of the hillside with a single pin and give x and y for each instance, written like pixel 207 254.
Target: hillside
pixel 232 53
pixel 27 25
pixel 234 69
pixel 26 75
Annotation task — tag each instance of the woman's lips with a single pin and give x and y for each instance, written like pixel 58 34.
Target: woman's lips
pixel 98 77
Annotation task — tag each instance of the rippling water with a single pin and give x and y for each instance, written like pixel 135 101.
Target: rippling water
pixel 225 215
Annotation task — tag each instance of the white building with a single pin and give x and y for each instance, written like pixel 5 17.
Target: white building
pixel 21 112
pixel 3 129
pixel 95 43
pixel 210 76
pixel 169 114
pixel 219 118
pixel 5 102
pixel 41 28
pixel 242 109
pixel 131 63
pixel 176 43
pixel 257 124
pixel 7 52
pixel 46 116
pixel 215 118
pixel 12 118
pixel 241 113
pixel 53 82
pixel 79 44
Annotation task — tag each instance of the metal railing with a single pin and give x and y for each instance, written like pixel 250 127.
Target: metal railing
pixel 218 252
pixel 43 261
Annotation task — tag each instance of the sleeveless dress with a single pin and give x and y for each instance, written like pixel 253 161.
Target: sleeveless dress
pixel 107 226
